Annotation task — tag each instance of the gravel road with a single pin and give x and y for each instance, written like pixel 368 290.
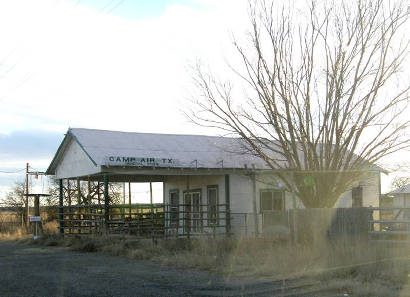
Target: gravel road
pixel 52 271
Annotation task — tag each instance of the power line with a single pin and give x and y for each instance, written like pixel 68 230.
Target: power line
pixel 11 172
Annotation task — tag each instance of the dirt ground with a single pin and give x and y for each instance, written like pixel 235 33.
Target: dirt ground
pixel 27 270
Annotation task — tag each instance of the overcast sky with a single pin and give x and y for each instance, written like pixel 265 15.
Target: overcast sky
pixel 105 64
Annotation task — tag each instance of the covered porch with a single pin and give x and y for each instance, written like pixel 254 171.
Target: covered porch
pixel 103 203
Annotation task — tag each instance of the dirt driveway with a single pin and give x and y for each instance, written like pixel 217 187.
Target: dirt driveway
pixel 51 271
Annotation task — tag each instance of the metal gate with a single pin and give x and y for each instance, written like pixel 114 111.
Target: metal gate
pixel 390 224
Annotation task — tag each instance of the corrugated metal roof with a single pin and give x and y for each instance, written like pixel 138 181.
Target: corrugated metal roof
pixel 189 150
pixel 403 190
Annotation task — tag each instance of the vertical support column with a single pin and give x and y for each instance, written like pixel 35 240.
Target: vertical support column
pixel 88 216
pixel 165 209
pixel 78 192
pixel 255 211
pixel 152 212
pixel 37 205
pixel 106 201
pixel 37 213
pixel 70 210
pixel 150 193
pixel 79 210
pixel 129 200
pixel 187 208
pixel 123 202
pixel 61 206
pixel 89 191
pixel 228 205
pixel 98 193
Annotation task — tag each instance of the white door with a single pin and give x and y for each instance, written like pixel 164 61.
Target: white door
pixel 193 220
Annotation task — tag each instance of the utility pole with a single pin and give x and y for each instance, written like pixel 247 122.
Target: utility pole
pixel 27 207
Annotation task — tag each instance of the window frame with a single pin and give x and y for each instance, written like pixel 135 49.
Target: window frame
pixel 357 198
pixel 216 188
pixel 177 208
pixel 272 190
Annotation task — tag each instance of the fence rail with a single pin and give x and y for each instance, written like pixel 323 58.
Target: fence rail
pixel 187 220
pixel 145 220
pixel 390 224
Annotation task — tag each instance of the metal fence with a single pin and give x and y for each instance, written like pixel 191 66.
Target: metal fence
pixel 187 220
pixel 390 224
pixel 145 220
pixel 305 225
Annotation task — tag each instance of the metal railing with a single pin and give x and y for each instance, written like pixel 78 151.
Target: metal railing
pixel 389 224
pixel 145 220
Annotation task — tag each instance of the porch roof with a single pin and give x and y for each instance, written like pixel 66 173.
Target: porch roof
pixel 128 153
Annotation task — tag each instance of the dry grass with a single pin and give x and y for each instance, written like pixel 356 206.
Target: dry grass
pixel 11 229
pixel 359 269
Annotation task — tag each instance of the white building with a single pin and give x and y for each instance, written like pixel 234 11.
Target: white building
pixel 203 177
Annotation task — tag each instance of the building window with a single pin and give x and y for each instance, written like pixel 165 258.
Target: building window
pixel 174 208
pixel 272 200
pixel 212 195
pixel 357 197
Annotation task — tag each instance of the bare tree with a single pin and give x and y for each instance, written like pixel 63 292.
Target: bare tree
pixel 324 99
pixel 16 199
pixel 88 194
pixel 399 182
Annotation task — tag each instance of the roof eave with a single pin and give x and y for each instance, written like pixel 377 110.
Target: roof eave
pixel 60 151
pixel 51 168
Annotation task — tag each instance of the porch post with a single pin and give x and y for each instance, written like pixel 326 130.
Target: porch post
pixel 228 205
pixel 129 200
pixel 61 206
pixel 106 201
pixel 255 212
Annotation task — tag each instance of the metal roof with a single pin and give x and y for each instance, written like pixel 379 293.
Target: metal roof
pixel 191 151
pixel 403 190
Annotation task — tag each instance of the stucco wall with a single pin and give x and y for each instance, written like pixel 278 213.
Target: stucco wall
pixel 370 186
pixel 242 197
pixel 181 183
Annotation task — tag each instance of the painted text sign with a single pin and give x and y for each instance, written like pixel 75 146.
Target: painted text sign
pixel 140 161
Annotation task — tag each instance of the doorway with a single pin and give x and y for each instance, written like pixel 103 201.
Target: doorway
pixel 192 212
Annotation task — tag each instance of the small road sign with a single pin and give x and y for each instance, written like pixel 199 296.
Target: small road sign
pixel 35 219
